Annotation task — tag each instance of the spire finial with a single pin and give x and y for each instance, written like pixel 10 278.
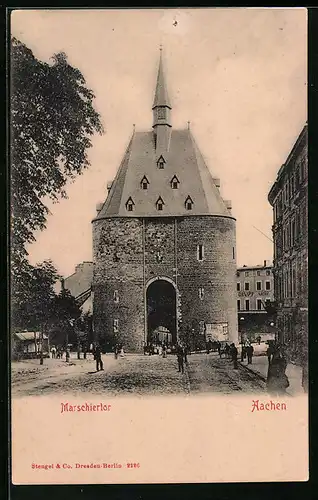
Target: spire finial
pixel 188 125
pixel 160 47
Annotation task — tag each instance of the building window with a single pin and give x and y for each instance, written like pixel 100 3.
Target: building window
pixel 116 325
pixel 259 304
pixel 174 182
pixel 238 274
pixel 130 204
pixel 201 293
pixel 161 162
pixel 246 273
pixel 233 253
pixel 238 286
pixel 267 285
pixel 258 285
pixel 238 304
pixel 188 203
pixel 161 113
pixel 268 273
pixel 258 273
pixel 247 286
pixel 247 305
pixel 200 252
pixel 144 182
pixel 268 302
pixel 160 203
pixel 116 296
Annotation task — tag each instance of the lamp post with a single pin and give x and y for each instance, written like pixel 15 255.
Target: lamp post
pixel 242 337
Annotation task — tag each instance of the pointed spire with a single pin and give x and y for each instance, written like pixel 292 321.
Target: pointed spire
pixel 161 95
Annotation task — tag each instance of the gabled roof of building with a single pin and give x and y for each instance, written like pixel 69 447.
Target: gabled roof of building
pixel 79 283
pixel 183 160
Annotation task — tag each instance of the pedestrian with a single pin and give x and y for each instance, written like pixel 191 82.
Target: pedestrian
pixel 122 354
pixel 58 352
pixel 98 358
pixel 249 352
pixel 185 353
pixel 160 350
pixel 53 352
pixel 243 351
pixel 270 352
pixel 67 355
pixel 180 356
pixel 164 351
pixel 116 351
pixel 219 349
pixel 277 380
pixel 227 350
pixel 234 352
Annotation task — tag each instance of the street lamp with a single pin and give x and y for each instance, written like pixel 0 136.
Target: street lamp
pixel 242 350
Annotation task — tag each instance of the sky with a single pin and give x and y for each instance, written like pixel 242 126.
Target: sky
pixel 238 75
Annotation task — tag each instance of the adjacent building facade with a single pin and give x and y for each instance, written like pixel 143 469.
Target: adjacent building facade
pixel 164 245
pixel 255 290
pixel 80 283
pixel 289 198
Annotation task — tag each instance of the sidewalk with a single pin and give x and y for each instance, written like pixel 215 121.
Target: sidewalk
pixel 293 372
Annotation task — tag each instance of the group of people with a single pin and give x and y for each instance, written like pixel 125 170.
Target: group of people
pixel 152 349
pixel 247 352
pixel 119 350
pixel 57 352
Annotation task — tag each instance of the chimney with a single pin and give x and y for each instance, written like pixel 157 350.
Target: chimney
pixel 109 186
pixel 99 207
pixel 228 204
pixel 217 182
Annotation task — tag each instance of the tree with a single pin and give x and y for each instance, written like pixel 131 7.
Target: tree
pixel 66 313
pixel 33 298
pixel 52 121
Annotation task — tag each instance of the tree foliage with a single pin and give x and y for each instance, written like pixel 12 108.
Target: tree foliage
pixel 33 297
pixel 52 122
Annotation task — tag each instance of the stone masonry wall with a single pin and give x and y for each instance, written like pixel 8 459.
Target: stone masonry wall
pixel 119 266
pixel 216 273
pixel 118 258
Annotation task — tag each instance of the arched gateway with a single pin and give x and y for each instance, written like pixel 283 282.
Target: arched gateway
pixel 161 311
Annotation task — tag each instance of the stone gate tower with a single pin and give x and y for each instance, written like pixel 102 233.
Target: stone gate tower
pixel 163 243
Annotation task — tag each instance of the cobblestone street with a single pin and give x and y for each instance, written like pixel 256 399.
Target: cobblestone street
pixel 136 375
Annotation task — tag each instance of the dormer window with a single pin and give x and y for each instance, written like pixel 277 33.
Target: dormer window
pixel 189 203
pixel 144 182
pixel 174 182
pixel 161 162
pixel 160 204
pixel 130 204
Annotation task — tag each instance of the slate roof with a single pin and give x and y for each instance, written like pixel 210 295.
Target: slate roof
pixel 183 160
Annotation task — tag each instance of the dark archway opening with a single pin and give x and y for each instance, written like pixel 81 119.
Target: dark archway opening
pixel 161 313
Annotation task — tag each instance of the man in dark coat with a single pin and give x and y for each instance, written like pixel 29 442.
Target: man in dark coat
pixel 233 351
pixel 180 357
pixel 249 352
pixel 98 358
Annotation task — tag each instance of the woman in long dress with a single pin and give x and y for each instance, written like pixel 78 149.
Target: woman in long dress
pixel 277 381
